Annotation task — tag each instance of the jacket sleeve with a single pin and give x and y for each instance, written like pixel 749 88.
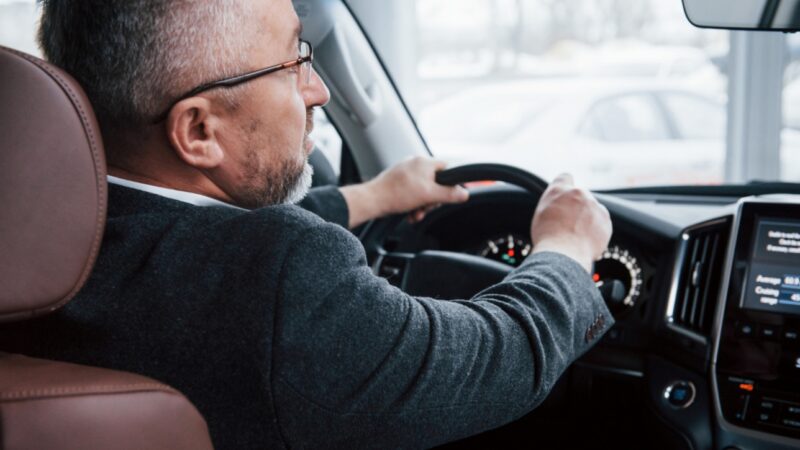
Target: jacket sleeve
pixel 358 362
pixel 327 202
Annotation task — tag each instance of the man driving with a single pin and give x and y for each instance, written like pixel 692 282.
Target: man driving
pixel 265 315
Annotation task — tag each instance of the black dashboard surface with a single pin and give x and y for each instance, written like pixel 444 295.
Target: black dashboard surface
pixel 660 346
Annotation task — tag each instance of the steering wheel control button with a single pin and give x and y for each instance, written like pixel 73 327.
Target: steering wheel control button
pixel 680 394
pixel 392 268
pixel 745 330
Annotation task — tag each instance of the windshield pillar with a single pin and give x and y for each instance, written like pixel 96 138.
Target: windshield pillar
pixel 755 73
pixel 395 35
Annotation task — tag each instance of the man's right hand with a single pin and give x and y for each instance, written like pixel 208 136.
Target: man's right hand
pixel 571 221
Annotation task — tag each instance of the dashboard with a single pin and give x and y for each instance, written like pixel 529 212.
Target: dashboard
pixel 756 360
pixel 706 297
pixel 616 272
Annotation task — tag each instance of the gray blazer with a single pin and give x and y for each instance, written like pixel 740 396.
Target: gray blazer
pixel 272 324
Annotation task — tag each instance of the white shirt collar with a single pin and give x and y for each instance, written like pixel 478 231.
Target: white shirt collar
pixel 181 196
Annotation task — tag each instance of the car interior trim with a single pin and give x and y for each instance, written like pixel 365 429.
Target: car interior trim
pixel 740 435
pixel 675 280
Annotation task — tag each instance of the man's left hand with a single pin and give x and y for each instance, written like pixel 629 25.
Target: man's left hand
pixel 409 187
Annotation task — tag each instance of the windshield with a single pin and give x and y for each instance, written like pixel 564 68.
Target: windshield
pixel 620 93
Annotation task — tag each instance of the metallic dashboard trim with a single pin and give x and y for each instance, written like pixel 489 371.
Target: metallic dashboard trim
pixel 613 370
pixel 716 330
pixel 669 317
pixel 668 391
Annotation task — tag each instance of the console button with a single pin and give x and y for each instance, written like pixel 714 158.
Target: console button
pixel 680 394
pixel 767 411
pixel 769 332
pixel 767 405
pixel 767 417
pixel 735 398
pixel 791 336
pixel 791 423
pixel 791 411
pixel 791 415
pixel 745 330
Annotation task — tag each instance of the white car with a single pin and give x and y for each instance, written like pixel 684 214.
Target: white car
pixel 607 132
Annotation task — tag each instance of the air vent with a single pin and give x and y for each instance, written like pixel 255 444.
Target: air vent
pixel 699 272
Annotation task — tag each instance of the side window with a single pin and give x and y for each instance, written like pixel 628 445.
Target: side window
pixel 18 23
pixel 327 140
pixel 633 117
pixel 331 159
pixel 695 117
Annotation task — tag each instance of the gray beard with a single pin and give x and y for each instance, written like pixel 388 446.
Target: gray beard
pixel 299 190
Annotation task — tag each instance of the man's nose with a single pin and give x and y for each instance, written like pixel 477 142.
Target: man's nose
pixel 316 93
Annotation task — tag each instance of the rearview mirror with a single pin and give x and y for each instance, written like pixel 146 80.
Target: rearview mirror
pixel 765 15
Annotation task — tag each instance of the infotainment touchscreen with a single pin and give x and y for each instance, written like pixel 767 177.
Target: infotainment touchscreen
pixel 773 281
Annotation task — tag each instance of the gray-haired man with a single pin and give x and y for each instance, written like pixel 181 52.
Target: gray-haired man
pixel 265 315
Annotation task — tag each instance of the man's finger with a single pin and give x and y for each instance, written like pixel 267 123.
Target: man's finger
pixel 448 194
pixel 439 165
pixel 416 216
pixel 458 194
pixel 565 179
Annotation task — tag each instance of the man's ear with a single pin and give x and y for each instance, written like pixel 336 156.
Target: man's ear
pixel 192 130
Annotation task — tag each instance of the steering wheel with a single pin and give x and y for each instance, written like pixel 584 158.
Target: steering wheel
pixel 443 274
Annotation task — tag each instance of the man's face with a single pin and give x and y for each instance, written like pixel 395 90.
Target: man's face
pixel 267 145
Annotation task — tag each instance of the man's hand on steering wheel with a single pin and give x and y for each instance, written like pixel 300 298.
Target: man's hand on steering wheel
pixel 569 220
pixel 409 187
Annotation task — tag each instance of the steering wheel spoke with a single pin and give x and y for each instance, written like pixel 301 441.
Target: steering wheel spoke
pixel 393 267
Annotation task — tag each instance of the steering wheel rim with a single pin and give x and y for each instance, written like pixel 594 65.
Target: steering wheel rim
pixel 493 172
pixel 375 232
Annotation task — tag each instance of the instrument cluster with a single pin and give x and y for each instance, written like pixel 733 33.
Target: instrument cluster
pixel 617 269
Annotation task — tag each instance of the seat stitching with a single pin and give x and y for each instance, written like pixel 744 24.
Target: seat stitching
pixel 100 219
pixel 77 390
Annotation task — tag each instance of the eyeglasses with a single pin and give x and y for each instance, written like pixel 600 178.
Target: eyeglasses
pixel 304 61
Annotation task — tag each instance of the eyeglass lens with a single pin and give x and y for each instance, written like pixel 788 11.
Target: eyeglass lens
pixel 305 68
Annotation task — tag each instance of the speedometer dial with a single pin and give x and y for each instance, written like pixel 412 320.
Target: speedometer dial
pixel 508 249
pixel 618 264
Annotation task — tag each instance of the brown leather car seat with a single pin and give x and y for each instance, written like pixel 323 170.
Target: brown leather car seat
pixel 52 215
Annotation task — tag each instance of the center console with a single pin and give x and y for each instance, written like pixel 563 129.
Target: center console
pixel 756 367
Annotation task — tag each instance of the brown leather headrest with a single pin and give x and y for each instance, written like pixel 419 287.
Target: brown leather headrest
pixel 52 187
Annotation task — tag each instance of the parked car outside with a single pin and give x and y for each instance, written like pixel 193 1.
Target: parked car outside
pixel 609 132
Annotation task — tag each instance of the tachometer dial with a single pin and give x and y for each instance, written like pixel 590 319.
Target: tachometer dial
pixel 618 264
pixel 507 249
